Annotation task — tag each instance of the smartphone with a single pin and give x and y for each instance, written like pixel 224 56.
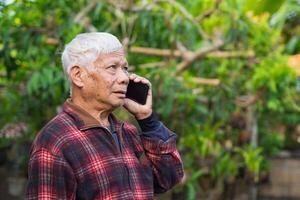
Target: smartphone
pixel 137 92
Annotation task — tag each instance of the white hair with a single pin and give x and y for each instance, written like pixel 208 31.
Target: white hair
pixel 85 48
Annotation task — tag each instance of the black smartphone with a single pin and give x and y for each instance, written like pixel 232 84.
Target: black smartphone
pixel 137 92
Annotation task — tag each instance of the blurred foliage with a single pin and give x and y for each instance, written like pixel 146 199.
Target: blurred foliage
pixel 212 127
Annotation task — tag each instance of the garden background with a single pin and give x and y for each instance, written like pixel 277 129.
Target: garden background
pixel 225 77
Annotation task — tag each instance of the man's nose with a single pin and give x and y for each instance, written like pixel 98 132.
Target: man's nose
pixel 123 76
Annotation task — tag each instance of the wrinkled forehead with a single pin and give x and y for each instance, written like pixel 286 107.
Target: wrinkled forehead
pixel 116 57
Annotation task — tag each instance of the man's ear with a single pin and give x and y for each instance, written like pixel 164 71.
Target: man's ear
pixel 77 76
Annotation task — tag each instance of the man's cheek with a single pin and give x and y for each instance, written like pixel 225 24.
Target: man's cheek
pixel 109 84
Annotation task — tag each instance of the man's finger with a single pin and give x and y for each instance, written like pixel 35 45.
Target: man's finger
pixel 132 76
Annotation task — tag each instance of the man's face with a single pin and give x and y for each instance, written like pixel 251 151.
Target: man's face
pixel 107 81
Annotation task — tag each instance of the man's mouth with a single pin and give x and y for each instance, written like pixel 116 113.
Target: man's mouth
pixel 121 93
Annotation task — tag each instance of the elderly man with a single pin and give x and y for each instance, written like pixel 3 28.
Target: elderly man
pixel 85 152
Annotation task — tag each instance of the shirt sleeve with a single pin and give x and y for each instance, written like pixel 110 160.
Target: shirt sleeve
pixel 50 177
pixel 152 127
pixel 167 167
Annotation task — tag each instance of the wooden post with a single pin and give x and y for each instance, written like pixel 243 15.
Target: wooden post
pixel 251 125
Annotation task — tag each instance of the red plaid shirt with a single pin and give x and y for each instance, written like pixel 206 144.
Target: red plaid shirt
pixel 73 157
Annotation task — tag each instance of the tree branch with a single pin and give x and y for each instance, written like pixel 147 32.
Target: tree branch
pixel 188 16
pixel 153 65
pixel 83 12
pixel 202 81
pixel 180 53
pixel 145 6
pixel 232 54
pixel 209 12
pixel 51 41
pixel 247 100
pixel 82 19
pixel 156 52
pixel 149 6
pixel 197 55
pixel 206 81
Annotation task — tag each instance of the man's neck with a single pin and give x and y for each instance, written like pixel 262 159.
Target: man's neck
pixel 100 114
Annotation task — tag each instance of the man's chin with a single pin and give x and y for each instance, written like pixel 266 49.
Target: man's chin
pixel 118 104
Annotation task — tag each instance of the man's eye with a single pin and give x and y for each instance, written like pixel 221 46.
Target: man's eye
pixel 125 68
pixel 112 66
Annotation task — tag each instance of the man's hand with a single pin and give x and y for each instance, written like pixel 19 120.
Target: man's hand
pixel 138 110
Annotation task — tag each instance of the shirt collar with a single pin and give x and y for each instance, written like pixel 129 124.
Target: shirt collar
pixel 83 120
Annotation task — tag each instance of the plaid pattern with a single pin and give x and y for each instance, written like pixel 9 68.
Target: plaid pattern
pixel 71 159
